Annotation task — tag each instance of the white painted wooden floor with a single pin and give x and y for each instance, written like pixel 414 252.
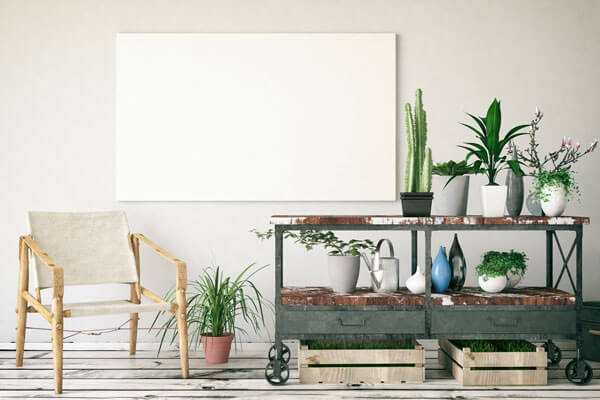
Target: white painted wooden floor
pixel 105 370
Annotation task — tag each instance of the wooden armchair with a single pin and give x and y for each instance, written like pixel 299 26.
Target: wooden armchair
pixel 83 249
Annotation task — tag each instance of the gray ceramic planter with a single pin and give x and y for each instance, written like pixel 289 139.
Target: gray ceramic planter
pixel 451 200
pixel 343 273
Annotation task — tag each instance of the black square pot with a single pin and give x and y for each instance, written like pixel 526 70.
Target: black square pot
pixel 416 204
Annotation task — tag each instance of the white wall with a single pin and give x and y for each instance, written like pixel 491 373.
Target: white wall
pixel 57 142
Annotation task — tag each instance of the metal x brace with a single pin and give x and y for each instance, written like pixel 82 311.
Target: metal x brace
pixel 565 266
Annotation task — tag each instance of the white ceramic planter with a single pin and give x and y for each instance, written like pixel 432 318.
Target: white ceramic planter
pixel 555 200
pixel 493 200
pixel 495 284
pixel 513 279
pixel 416 282
pixel 451 200
pixel 343 273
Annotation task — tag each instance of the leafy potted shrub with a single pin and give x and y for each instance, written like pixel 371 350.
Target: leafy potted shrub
pixel 490 160
pixel 451 187
pixel 553 173
pixel 500 270
pixel 215 303
pixel 343 258
pixel 417 195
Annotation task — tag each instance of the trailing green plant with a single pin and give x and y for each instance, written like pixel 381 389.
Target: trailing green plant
pixel 359 345
pixel 492 346
pixel 417 175
pixel 216 303
pixel 312 238
pixel 555 168
pixel 496 263
pixel 488 152
pixel 559 178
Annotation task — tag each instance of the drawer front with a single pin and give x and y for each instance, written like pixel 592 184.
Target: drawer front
pixel 534 322
pixel 351 322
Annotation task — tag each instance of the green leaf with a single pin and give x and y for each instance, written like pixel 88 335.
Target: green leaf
pixel 514 166
pixel 479 134
pixel 493 121
pixel 480 122
pixel 482 155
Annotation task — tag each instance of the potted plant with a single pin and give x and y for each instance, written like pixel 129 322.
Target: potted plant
pixel 553 173
pixel 500 270
pixel 215 303
pixel 417 195
pixel 451 187
pixel 343 257
pixel 490 160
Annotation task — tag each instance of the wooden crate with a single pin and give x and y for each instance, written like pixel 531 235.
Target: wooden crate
pixel 464 366
pixel 361 366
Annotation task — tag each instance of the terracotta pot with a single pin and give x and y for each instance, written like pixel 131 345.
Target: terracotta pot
pixel 216 348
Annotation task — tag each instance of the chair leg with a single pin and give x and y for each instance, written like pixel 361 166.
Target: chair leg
pixel 182 334
pixel 57 344
pixel 21 322
pixel 133 328
pixel 23 284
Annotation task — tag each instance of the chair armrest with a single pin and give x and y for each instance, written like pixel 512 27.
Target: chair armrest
pixel 57 270
pixel 181 272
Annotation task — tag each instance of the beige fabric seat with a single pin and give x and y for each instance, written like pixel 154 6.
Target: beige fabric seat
pixel 89 248
pixel 109 307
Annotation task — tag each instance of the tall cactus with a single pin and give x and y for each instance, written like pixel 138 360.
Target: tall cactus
pixel 417 175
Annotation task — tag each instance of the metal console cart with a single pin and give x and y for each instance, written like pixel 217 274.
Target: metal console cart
pixel 428 320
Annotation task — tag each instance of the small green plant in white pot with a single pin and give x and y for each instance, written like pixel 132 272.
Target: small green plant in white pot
pixel 501 270
pixel 343 256
pixel 490 161
pixel 451 187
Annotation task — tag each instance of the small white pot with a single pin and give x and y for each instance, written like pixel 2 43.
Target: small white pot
pixel 513 279
pixel 555 200
pixel 343 273
pixel 452 199
pixel 493 200
pixel 495 284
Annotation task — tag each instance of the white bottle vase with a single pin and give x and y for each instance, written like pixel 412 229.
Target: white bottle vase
pixel 555 200
pixel 416 282
pixel 493 200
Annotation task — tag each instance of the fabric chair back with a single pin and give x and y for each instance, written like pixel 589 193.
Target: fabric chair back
pixel 92 247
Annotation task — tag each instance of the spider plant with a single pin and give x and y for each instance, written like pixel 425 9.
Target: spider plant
pixel 215 304
pixel 489 156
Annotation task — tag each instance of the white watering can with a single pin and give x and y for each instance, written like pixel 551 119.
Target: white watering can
pixel 384 270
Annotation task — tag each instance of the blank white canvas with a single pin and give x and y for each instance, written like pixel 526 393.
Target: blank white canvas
pixel 290 117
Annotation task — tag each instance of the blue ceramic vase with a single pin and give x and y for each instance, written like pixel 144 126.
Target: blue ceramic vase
pixel 441 273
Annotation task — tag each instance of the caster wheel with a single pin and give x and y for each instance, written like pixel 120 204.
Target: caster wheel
pixel 272 377
pixel 571 373
pixel 556 355
pixel 285 353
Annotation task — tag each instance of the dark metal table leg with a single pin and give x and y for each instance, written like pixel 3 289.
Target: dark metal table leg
pixel 428 304
pixel 578 371
pixel 414 253
pixel 549 258
pixel 277 371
